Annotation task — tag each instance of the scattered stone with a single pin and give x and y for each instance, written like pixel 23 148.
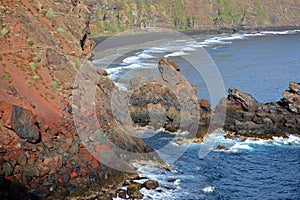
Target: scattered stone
pixel 171 180
pixel 41 193
pixel 221 147
pixel 102 72
pixel 30 171
pixel 3 150
pixel 74 148
pixel 122 194
pixel 7 169
pixel 151 184
pixel 133 191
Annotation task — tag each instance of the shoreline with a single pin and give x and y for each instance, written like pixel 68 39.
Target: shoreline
pixel 210 32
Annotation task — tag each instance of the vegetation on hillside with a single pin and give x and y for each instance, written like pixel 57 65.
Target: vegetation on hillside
pixel 116 16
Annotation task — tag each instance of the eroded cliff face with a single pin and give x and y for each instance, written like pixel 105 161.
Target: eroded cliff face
pixel 115 16
pixel 43 46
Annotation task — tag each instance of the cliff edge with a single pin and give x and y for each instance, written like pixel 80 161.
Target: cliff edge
pixel 43 46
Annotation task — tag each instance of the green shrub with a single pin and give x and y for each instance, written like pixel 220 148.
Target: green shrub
pixel 30 42
pixel 54 85
pixel 60 30
pixel 4 32
pixel 73 65
pixel 40 54
pixel 32 66
pixel 36 77
pixel 36 59
pixel 50 14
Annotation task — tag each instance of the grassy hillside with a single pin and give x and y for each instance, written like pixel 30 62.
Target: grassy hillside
pixel 115 15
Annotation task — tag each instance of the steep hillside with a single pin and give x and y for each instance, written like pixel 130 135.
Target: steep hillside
pixel 114 16
pixel 43 45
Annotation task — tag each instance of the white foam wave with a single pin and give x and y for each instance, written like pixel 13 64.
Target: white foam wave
pixel 240 146
pixel 197 45
pixel 155 50
pixel 178 53
pixel 131 60
pixel 188 49
pixel 279 141
pixel 233 37
pixel 279 32
pixel 208 189
pixel 249 144
pixel 145 55
pixel 291 140
pixel 114 70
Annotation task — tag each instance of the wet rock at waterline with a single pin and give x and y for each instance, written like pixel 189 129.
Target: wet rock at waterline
pixel 170 102
pixel 246 117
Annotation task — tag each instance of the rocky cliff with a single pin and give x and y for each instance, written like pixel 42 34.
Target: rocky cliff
pixel 115 16
pixel 43 45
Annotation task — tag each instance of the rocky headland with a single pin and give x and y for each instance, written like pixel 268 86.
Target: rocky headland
pixel 246 117
pixel 172 103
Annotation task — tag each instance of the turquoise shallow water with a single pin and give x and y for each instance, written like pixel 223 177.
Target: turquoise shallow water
pixel 261 65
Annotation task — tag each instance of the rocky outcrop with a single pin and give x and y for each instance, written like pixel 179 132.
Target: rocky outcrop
pixel 291 98
pixel 248 118
pixel 169 102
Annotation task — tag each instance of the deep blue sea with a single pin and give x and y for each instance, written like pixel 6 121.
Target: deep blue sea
pixel 260 64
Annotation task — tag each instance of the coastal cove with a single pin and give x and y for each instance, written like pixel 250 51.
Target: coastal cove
pixel 180 100
pixel 235 169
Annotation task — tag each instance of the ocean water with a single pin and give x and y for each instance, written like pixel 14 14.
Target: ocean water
pixel 259 64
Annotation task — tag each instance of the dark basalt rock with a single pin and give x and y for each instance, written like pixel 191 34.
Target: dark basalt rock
pixel 170 102
pixel 246 117
pixel 133 191
pixel 24 124
pixel 151 185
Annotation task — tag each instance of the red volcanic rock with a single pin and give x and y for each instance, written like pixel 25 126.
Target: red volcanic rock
pixel 6 112
pixel 102 72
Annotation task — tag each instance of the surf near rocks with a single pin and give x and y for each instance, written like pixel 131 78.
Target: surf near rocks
pixel 170 98
pixel 246 117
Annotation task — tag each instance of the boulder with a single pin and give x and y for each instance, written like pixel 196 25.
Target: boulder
pixel 102 72
pixel 133 191
pixel 291 98
pixel 151 185
pixel 246 101
pixel 25 125
pixel 21 120
pixel 122 193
